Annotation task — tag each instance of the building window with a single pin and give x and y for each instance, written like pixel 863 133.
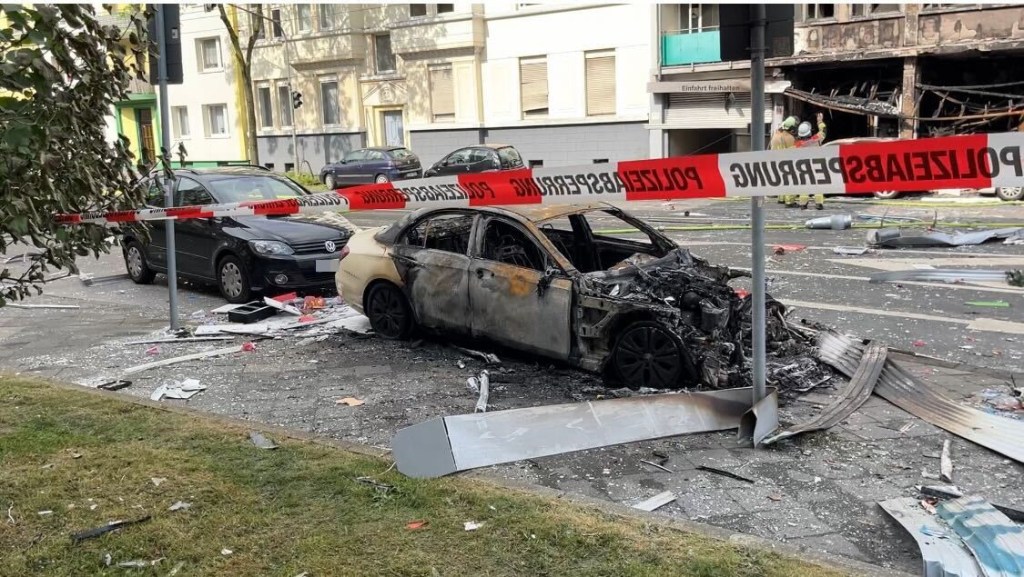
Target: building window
pixel 305 17
pixel 275 17
pixel 445 8
pixel 209 54
pixel 533 86
pixel 268 165
pixel 939 6
pixel 329 106
pixel 694 18
pixel 382 50
pixel 215 119
pixel 179 116
pixel 600 83
pixel 327 16
pixel 816 11
pixel 868 9
pixel 266 107
pixel 284 104
pixel 442 94
pixel 417 10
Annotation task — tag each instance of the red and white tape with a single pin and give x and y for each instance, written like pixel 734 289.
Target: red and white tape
pixel 975 161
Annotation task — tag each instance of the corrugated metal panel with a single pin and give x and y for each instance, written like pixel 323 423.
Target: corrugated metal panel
pixel 708 111
pixel 997 543
pixel 999 434
pixel 942 551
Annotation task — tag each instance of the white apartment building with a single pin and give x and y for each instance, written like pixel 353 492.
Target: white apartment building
pixel 564 84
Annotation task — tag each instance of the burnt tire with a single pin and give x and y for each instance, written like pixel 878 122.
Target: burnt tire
pixel 233 280
pixel 135 262
pixel 389 312
pixel 648 354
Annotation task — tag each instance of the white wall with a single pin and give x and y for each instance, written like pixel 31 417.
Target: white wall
pixel 563 35
pixel 199 88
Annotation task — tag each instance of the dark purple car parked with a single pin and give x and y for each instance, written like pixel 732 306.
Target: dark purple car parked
pixel 367 165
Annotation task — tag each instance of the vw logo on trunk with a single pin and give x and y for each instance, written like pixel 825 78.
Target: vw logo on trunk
pixel 329 245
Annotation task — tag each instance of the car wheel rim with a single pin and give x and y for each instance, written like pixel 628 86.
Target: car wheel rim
pixel 134 262
pixel 231 279
pixel 648 357
pixel 381 179
pixel 1013 191
pixel 330 182
pixel 387 313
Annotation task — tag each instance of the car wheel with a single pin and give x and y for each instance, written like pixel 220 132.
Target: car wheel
pixel 648 354
pixel 329 181
pixel 389 312
pixel 381 179
pixel 1010 193
pixel 233 280
pixel 887 194
pixel 135 262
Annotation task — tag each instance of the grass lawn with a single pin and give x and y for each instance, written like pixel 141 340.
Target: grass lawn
pixel 90 460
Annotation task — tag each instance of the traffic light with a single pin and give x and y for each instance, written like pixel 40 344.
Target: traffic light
pixel 296 99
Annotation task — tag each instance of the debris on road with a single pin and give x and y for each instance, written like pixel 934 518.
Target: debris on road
pixel 850 250
pixel 724 473
pixel 419 524
pixel 115 385
pixel 950 276
pixel 260 441
pixel 489 358
pixel 185 389
pixel 942 551
pixel 656 502
pixel 179 340
pixel 153 351
pixel 281 305
pixel 787 248
pixel 103 529
pixel 27 306
pixel 656 465
pixel 946 463
pixel 179 506
pixel 183 359
pixel 941 491
pixel 989 304
pixel 484 386
pixel 834 222
pixel 445 445
pixel 996 542
pixel 895 238
pixel 251 312
pixel 350 401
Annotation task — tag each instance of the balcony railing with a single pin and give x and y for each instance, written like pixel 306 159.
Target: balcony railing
pixel 139 86
pixel 690 48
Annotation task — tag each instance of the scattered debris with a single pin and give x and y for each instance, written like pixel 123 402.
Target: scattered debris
pixel 46 512
pixel 350 401
pixel 138 564
pixel 786 248
pixel 251 312
pixel 1014 514
pixel 943 553
pixel 179 506
pixel 996 542
pixel 112 526
pixel 894 237
pixel 183 359
pixel 10 518
pixel 989 304
pixel 281 306
pixel 941 491
pixel 481 402
pixel 157 480
pixel 472 525
pixel 724 473
pixel 919 343
pixel 775 497
pixel 946 463
pixel 414 525
pixel 907 427
pixel 115 385
pixel 183 390
pixel 179 340
pixel 444 445
pixel 226 552
pixel 656 502
pixel 153 350
pixel 489 358
pixel 850 250
pixel 260 441
pixel 225 309
pixel 940 275
pixel 657 466
pixel 834 222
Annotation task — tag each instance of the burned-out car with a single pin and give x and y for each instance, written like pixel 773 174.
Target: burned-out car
pixel 546 280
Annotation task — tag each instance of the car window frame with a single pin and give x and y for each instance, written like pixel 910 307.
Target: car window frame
pixel 402 239
pixel 448 159
pixel 350 156
pixel 501 160
pixel 178 199
pixel 477 249
pixel 375 155
pixel 149 183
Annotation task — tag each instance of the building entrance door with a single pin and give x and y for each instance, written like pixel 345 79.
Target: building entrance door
pixel 394 131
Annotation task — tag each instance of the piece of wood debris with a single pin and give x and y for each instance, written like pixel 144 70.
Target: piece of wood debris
pixel 484 383
pixel 656 502
pixel 946 463
pixel 183 359
pixel 656 465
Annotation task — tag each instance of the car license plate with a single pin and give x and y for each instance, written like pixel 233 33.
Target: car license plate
pixel 327 264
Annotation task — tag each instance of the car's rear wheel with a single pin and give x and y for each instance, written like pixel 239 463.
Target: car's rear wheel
pixel 233 280
pixel 1010 193
pixel 887 194
pixel 135 262
pixel 381 179
pixel 389 312
pixel 330 182
pixel 648 354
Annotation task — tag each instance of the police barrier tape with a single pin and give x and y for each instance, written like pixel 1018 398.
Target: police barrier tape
pixel 974 161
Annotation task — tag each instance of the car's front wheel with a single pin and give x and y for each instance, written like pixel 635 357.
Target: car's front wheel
pixel 1010 193
pixel 233 280
pixel 648 354
pixel 135 262
pixel 389 312
pixel 330 182
pixel 381 179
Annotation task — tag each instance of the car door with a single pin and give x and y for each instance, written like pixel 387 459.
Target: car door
pixel 514 300
pixel 351 171
pixel 376 163
pixel 156 246
pixel 195 238
pixel 432 256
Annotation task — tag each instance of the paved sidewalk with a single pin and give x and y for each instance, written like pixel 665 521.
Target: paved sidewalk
pixel 818 492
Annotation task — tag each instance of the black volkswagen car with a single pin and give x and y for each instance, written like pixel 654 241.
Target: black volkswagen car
pixel 242 255
pixel 366 165
pixel 478 158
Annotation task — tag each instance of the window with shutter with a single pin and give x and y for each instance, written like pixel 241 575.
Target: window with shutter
pixel 600 83
pixel 442 94
pixel 533 80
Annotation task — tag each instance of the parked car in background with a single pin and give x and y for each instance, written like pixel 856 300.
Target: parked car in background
pixel 1004 192
pixel 368 165
pixel 477 158
pixel 242 255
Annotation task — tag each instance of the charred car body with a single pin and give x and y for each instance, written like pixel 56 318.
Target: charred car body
pixel 545 280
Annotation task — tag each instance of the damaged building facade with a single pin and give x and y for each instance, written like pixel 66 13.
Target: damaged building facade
pixel 875 70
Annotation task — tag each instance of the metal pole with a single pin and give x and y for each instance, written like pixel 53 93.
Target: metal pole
pixel 295 111
pixel 757 326
pixel 165 143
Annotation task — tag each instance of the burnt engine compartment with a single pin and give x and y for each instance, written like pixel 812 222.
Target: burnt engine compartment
pixel 694 298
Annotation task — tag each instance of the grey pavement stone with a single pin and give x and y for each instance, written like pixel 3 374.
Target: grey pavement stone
pixel 719 458
pixel 874 489
pixel 833 543
pixel 708 503
pixel 756 497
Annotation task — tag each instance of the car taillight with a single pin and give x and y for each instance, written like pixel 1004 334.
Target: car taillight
pixel 344 252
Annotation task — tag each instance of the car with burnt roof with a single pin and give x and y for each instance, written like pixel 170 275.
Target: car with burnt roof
pixel 590 285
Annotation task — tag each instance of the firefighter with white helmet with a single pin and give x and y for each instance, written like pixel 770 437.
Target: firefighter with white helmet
pixel 804 138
